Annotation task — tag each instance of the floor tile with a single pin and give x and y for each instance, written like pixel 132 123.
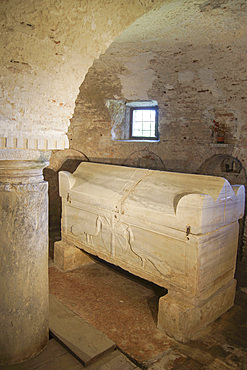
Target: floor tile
pixel 81 338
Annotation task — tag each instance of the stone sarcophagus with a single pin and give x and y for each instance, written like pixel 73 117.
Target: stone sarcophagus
pixel 179 231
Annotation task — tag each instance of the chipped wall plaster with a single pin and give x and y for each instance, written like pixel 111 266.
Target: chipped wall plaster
pixel 138 76
pixel 47 48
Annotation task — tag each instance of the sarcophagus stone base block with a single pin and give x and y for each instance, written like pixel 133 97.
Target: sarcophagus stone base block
pixel 185 320
pixel 68 257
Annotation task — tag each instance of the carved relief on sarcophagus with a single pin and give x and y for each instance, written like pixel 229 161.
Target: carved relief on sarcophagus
pixel 179 231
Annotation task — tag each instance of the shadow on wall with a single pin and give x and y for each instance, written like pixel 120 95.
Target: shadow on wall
pixel 144 159
pixel 66 160
pixel 229 167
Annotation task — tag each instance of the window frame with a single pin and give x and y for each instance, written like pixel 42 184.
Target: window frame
pixel 149 138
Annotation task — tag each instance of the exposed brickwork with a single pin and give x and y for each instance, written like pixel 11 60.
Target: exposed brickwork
pixel 192 60
pixel 198 81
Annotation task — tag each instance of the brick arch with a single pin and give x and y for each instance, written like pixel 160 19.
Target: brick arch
pixel 144 159
pixel 60 157
pixel 223 165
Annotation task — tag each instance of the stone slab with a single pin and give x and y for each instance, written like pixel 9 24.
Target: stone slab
pixel 113 361
pixel 86 342
pixel 54 356
pixel 65 362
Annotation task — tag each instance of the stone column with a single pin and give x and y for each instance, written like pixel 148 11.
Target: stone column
pixel 23 256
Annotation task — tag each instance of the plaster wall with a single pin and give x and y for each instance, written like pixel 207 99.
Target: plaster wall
pixel 191 58
pixel 193 62
pixel 46 49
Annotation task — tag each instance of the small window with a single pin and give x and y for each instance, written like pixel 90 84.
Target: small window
pixel 134 121
pixel 144 123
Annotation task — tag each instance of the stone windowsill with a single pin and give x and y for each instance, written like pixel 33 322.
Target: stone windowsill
pixel 137 141
pixel 217 145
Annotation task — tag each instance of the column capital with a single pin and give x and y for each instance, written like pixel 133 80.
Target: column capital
pixel 22 166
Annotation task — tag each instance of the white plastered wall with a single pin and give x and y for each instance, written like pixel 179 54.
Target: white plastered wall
pixel 46 49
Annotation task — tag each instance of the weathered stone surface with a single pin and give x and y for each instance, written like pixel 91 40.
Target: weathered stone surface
pixel 68 257
pixel 53 357
pixel 169 360
pixel 113 361
pixel 23 260
pixel 184 321
pixel 192 62
pixel 36 103
pixel 184 58
pixel 190 56
pixel 179 231
pixel 120 306
pixel 86 342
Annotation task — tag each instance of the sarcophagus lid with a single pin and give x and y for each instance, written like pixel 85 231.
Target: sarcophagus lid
pixel 175 200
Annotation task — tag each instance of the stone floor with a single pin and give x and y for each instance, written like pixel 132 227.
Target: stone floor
pixel 100 300
pixel 56 357
pixel 124 308
pixel 74 344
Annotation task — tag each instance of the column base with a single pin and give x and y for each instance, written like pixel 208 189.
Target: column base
pixel 68 257
pixel 185 321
